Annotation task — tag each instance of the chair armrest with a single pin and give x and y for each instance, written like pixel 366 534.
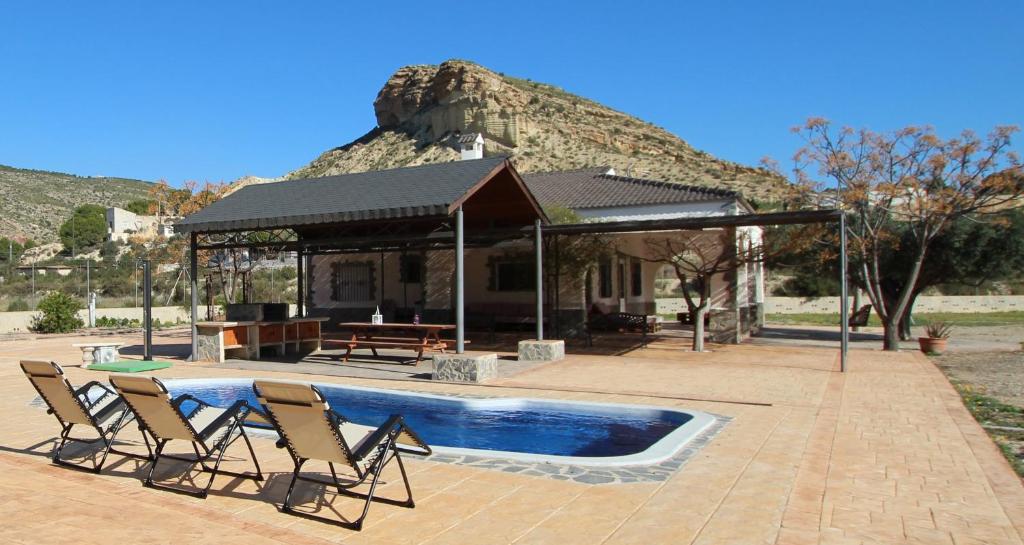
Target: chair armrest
pixel 84 389
pixel 177 401
pixel 238 410
pixel 392 429
pixel 336 417
pixel 377 437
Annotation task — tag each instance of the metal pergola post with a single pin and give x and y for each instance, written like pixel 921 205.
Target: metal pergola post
pixel 193 264
pixel 844 338
pixel 460 277
pixel 147 309
pixel 300 277
pixel 538 249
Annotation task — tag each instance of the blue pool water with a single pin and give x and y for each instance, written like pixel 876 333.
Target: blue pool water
pixel 517 425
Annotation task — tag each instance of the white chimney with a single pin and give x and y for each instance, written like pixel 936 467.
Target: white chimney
pixel 471 146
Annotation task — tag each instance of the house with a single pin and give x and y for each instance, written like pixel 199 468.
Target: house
pixel 500 278
pixel 123 224
pixel 444 240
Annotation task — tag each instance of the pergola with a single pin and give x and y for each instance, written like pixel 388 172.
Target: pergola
pixel 475 203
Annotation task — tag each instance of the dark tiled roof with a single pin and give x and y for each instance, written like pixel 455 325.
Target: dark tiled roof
pixel 468 138
pixel 592 188
pixel 426 190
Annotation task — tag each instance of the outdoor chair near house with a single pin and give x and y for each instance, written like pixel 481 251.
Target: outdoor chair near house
pixel 311 430
pixel 210 430
pixel 860 318
pixel 93 405
pixel 620 322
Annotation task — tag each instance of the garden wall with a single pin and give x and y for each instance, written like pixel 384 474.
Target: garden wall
pixel 830 305
pixel 19 321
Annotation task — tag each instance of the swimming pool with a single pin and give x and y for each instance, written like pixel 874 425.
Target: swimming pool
pixel 518 428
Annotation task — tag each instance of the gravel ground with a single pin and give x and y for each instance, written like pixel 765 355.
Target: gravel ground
pixel 995 374
pixel 992 386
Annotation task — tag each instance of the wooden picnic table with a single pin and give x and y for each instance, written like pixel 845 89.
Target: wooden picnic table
pixel 416 337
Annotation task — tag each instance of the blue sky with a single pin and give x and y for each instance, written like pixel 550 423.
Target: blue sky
pixel 217 90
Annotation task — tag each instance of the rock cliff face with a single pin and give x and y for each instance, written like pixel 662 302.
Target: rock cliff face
pixel 544 128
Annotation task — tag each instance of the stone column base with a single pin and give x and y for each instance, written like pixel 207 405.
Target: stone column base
pixel 531 350
pixel 465 367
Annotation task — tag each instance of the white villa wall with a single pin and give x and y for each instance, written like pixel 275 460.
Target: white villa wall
pixel 830 305
pixel 440 265
pixel 924 303
pixel 660 211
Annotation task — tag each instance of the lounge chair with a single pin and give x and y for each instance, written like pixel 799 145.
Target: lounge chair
pixel 93 405
pixel 311 430
pixel 209 429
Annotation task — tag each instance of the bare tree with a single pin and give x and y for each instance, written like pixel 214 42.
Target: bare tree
pixel 230 265
pixel 697 257
pixel 908 179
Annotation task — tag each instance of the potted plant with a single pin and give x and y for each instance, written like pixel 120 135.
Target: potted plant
pixel 936 336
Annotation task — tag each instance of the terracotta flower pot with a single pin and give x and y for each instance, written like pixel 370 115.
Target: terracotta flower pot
pixel 931 345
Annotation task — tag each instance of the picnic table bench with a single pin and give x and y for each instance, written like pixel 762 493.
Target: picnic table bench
pixel 416 337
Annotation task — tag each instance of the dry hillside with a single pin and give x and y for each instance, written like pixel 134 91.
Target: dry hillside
pixel 543 127
pixel 34 203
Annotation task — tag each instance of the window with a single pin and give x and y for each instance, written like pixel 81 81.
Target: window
pixel 412 269
pixel 604 279
pixel 514 276
pixel 636 278
pixel 352 282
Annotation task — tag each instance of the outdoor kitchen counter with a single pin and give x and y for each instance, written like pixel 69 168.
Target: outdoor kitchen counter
pixel 220 340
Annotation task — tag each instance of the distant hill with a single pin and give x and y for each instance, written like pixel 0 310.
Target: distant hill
pixel 34 203
pixel 421 107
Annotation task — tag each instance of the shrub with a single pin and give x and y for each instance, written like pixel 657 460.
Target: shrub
pixel 938 330
pixel 17 305
pixel 105 321
pixel 58 313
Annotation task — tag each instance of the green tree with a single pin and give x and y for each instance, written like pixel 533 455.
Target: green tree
pixel 972 251
pixel 10 251
pixel 907 181
pixel 87 227
pixel 58 313
pixel 142 207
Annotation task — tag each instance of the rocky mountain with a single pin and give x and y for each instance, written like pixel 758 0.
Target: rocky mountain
pixel 421 108
pixel 34 203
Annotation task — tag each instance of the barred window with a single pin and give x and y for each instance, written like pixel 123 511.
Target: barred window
pixel 515 276
pixel 352 282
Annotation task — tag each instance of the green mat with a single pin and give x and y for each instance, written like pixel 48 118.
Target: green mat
pixel 130 366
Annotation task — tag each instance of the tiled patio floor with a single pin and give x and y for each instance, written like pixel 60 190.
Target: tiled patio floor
pixel 883 454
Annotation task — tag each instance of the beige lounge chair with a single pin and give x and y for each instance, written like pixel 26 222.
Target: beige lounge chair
pixel 93 405
pixel 311 430
pixel 209 429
